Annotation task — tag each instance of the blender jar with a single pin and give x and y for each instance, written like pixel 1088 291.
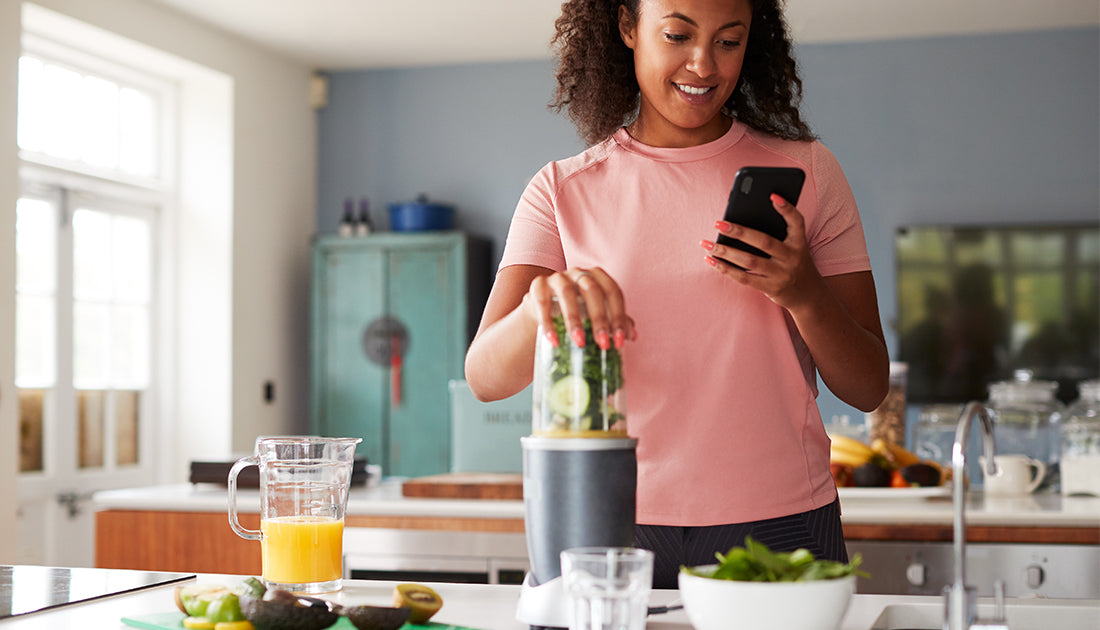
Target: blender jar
pixel 577 392
pixel 1026 418
pixel 1080 442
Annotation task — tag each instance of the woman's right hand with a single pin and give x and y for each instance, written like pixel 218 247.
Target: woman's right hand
pixel 603 301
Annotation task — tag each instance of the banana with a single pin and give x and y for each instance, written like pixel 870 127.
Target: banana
pixel 849 451
pixel 839 456
pixel 851 445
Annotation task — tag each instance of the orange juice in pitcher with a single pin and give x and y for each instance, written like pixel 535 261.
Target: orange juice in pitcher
pixel 302 549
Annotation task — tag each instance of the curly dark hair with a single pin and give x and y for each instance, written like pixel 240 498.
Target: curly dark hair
pixel 598 87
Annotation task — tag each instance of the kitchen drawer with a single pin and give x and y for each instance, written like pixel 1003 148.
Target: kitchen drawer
pixel 434 555
pixel 1029 570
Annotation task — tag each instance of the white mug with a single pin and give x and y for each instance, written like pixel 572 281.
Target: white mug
pixel 1016 475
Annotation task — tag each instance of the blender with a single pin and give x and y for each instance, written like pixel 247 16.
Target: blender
pixel 579 466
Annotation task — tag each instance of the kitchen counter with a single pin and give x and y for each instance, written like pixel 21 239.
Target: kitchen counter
pixel 134 525
pixel 489 607
pixel 386 500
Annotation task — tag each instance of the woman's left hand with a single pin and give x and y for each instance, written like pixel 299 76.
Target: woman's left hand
pixel 788 277
pixel 836 316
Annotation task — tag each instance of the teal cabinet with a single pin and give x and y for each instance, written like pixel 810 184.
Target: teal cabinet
pixel 392 316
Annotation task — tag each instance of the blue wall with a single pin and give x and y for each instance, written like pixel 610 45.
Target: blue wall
pixel 978 129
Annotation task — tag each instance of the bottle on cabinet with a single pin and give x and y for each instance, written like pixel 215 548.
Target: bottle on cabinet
pixel 363 223
pixel 347 221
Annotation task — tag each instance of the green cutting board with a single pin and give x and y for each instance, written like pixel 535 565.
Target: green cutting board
pixel 174 621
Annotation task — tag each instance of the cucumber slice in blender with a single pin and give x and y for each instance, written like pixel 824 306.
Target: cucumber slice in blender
pixel 569 396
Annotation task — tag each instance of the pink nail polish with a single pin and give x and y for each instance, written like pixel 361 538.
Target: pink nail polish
pixel 578 337
pixel 712 261
pixel 620 338
pixel 722 226
pixel 552 337
pixel 603 340
pixel 707 245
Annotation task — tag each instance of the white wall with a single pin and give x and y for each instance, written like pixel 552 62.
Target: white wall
pixel 9 182
pixel 258 271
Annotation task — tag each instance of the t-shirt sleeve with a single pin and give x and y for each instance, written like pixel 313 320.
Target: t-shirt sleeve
pixel 533 237
pixel 837 241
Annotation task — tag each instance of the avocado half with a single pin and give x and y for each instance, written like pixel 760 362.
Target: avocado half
pixel 282 610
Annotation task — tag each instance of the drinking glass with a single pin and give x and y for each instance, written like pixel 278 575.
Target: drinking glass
pixel 607 587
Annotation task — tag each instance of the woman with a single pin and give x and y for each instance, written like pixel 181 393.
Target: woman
pixel 675 96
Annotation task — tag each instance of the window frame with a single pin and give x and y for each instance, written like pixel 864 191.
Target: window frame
pixel 164 91
pixel 64 181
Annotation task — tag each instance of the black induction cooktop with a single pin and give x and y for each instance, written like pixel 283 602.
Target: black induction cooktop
pixel 25 588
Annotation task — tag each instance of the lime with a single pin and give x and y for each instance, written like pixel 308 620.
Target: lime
pixel 196 597
pixel 569 396
pixel 226 607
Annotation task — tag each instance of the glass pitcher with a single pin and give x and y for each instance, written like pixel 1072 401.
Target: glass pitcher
pixel 304 483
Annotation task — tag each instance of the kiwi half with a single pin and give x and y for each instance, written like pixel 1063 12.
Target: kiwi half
pixel 421 600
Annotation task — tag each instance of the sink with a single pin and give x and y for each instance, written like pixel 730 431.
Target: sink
pixel 1038 614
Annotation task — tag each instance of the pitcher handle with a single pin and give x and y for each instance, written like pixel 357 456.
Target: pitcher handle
pixel 1040 474
pixel 242 463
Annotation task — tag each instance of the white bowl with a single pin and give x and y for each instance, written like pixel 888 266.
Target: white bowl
pixel 713 604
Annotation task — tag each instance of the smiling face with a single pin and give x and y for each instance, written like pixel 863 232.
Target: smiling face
pixel 687 57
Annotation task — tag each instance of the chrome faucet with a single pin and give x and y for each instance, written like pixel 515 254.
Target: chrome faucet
pixel 960 600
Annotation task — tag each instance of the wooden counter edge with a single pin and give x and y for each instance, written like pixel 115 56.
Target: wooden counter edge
pixel 203 542
pixel 976 533
pixel 454 524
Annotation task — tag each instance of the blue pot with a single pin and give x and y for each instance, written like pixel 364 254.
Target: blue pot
pixel 419 215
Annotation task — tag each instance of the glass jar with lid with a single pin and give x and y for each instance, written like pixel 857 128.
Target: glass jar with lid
pixel 1080 442
pixel 1026 418
pixel 934 435
pixel 887 421
pixel 577 391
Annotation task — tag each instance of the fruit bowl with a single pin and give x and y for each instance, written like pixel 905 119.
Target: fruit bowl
pixel 713 604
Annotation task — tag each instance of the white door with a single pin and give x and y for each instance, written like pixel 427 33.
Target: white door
pixel 84 313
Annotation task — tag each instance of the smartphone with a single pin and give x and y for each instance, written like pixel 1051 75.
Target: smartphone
pixel 750 202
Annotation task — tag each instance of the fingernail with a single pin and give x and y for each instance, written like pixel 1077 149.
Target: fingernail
pixel 777 199
pixel 552 337
pixel 712 261
pixel 707 245
pixel 722 226
pixel 578 337
pixel 620 338
pixel 603 340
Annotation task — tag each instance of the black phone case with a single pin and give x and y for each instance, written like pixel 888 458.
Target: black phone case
pixel 750 202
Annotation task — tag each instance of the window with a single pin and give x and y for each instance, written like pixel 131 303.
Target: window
pixel 91 137
pixel 93 123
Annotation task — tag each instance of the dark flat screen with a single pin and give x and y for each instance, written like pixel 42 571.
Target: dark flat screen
pixel 977 303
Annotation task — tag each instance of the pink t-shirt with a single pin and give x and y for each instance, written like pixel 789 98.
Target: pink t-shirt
pixel 720 386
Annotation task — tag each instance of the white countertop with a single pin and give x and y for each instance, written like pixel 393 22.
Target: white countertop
pixel 490 607
pixel 385 499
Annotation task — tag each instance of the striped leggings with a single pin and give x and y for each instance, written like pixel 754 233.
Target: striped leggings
pixel 817 530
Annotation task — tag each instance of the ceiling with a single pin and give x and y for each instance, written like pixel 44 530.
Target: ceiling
pixel 366 34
